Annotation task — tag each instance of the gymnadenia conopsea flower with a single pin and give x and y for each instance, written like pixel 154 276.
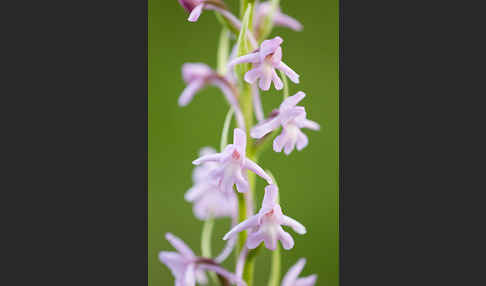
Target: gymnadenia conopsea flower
pixel 224 179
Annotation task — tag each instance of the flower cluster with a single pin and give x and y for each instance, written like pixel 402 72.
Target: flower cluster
pixel 224 182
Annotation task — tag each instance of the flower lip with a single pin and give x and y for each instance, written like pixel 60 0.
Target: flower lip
pixel 189 5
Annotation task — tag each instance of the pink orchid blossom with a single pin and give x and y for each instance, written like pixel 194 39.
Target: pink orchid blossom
pixel 265 60
pixel 187 268
pixel 195 8
pixel 292 118
pixel 279 19
pixel 267 224
pixel 291 277
pixel 208 200
pixel 232 163
pixel 199 75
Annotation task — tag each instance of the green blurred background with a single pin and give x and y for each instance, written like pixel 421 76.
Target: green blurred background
pixel 308 180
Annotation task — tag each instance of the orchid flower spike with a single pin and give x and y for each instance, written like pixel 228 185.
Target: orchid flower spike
pixel 208 200
pixel 279 19
pixel 290 278
pixel 265 60
pixel 187 268
pixel 232 163
pixel 267 223
pixel 292 118
pixel 199 75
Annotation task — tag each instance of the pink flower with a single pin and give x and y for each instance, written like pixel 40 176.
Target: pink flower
pixel 199 75
pixel 292 118
pixel 290 279
pixel 187 268
pixel 195 8
pixel 232 163
pixel 279 19
pixel 265 60
pixel 267 223
pixel 209 200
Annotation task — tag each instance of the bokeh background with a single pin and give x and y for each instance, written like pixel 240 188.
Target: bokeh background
pixel 308 180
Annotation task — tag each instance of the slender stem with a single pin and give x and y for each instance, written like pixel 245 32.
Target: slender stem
pixel 206 237
pixel 206 244
pixel 224 134
pixel 275 270
pixel 249 269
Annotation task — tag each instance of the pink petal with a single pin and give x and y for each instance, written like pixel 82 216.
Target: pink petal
pixel 270 198
pixel 239 140
pixel 295 225
pixel 283 20
pixel 270 240
pixel 269 46
pixel 250 165
pixel 189 92
pixel 292 101
pixel 277 56
pixel 277 81
pixel 249 58
pixel 248 223
pixel 302 140
pixel 307 281
pixel 226 251
pixel 289 147
pixel 190 275
pixel 306 123
pixel 178 244
pixel 227 183
pixel 196 191
pixel 265 127
pixel 265 81
pixel 195 71
pixel 223 272
pixel 289 72
pixel 254 239
pixel 291 276
pixel 279 142
pixel 241 183
pixel 208 158
pixel 195 13
pixel 286 239
pixel 252 75
pixel 292 114
pixel 174 261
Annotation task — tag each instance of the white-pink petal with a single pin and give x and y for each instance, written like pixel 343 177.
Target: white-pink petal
pixel 289 72
pixel 189 92
pixel 248 223
pixel 178 244
pixel 195 13
pixel 252 166
pixel 295 225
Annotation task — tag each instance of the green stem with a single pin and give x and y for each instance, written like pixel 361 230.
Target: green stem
pixel 249 268
pixel 206 244
pixel 275 271
pixel 224 134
